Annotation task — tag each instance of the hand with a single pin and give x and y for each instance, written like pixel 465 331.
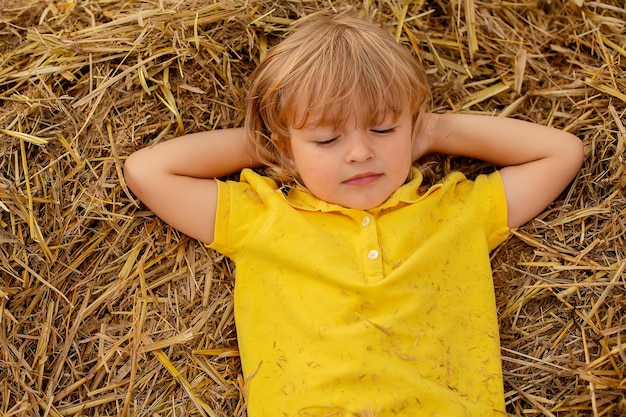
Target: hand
pixel 424 135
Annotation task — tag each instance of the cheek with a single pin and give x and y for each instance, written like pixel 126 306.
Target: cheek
pixel 400 161
pixel 401 151
pixel 305 162
pixel 313 169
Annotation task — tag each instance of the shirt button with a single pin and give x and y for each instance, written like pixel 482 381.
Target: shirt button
pixel 366 221
pixel 373 254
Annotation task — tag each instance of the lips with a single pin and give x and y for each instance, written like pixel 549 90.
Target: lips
pixel 363 179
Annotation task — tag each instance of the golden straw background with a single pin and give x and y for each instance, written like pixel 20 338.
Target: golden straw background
pixel 107 311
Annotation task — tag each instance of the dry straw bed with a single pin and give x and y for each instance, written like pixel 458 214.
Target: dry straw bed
pixel 107 311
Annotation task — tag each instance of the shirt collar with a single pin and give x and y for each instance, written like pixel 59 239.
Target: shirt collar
pixel 300 198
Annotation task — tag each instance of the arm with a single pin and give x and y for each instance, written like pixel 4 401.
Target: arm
pixel 175 178
pixel 538 162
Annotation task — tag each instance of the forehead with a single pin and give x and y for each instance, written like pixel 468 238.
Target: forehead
pixel 310 114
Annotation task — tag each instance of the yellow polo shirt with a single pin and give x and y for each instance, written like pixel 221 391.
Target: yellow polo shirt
pixel 384 312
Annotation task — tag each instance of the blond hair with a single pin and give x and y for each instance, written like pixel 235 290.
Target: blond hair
pixel 325 65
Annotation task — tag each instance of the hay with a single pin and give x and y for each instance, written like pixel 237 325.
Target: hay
pixel 107 311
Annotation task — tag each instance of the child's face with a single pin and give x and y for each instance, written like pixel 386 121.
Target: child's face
pixel 356 165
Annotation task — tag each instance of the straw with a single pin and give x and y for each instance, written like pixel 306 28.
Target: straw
pixel 106 310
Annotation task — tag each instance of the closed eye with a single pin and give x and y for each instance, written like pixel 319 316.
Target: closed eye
pixel 326 142
pixel 383 131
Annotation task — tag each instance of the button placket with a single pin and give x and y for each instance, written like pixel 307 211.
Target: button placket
pixel 372 255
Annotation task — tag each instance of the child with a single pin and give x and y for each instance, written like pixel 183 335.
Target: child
pixel 356 294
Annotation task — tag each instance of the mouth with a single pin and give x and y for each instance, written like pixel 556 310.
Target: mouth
pixel 363 179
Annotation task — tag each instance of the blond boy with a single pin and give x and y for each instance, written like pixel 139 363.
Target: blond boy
pixel 356 294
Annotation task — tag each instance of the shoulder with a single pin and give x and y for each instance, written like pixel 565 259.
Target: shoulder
pixel 481 201
pixel 484 186
pixel 242 206
pixel 251 181
pixel 251 188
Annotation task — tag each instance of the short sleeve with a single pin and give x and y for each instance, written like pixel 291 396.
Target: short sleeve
pixel 481 201
pixel 495 208
pixel 222 236
pixel 242 206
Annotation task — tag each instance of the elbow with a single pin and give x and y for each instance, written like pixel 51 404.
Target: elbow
pixel 576 155
pixel 134 171
pixel 568 154
pixel 581 153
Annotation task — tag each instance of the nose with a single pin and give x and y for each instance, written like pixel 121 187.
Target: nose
pixel 359 148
